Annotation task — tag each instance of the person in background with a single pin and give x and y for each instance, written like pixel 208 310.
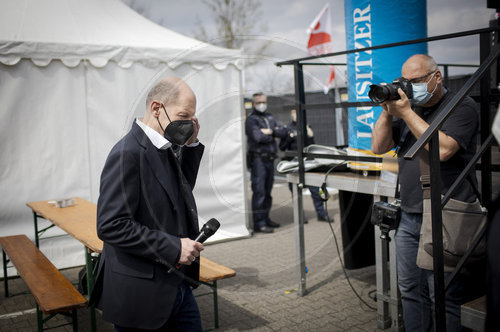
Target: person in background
pixel 289 143
pixel 261 129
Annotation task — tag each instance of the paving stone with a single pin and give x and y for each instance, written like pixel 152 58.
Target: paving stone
pixel 263 295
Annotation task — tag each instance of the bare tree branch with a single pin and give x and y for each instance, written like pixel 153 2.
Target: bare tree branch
pixel 235 22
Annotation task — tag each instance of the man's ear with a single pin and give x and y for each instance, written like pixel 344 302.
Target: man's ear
pixel 439 77
pixel 155 108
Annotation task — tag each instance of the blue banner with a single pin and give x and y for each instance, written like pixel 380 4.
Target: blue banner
pixel 371 23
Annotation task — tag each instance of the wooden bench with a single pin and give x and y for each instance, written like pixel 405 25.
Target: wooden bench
pixel 210 272
pixel 53 293
pixel 473 314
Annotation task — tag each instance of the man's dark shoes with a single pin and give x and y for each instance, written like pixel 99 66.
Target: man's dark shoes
pixel 264 229
pixel 325 218
pixel 273 224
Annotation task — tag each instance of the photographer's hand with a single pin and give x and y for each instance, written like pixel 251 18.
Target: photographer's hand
pixel 382 141
pixel 382 132
pixel 400 107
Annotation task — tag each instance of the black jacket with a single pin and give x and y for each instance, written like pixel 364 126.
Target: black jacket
pixel 145 205
pixel 289 142
pixel 257 142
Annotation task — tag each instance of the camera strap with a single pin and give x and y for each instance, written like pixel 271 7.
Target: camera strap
pixel 397 194
pixel 423 155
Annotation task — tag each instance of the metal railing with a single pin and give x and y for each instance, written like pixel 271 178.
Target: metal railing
pixel 488 58
pixel 431 137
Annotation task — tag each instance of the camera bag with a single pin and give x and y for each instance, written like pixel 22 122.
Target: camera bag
pixel 462 223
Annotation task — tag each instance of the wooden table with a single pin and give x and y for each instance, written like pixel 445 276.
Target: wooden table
pixel 79 221
pixel 210 272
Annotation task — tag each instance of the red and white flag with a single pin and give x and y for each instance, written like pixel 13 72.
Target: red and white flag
pixel 320 38
pixel 320 35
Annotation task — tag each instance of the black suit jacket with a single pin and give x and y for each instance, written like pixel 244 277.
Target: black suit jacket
pixel 141 218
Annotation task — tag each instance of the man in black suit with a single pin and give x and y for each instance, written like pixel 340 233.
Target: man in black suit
pixel 147 218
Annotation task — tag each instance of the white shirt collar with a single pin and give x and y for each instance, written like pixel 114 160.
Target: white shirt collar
pixel 158 140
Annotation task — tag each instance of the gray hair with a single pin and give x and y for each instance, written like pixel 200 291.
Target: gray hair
pixel 166 91
pixel 430 62
pixel 258 94
pixel 425 59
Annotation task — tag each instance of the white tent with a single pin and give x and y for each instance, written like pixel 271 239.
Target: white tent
pixel 73 76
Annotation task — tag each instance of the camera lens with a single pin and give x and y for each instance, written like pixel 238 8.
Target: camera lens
pixel 379 93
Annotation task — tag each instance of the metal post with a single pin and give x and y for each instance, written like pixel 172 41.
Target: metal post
pixel 485 86
pixel 301 116
pixel 298 210
pixel 35 220
pixel 396 307
pixel 437 234
pixel 298 216
pixel 382 277
pixel 446 75
pixel 5 278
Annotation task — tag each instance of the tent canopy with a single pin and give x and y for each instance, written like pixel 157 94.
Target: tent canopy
pixel 98 31
pixel 74 75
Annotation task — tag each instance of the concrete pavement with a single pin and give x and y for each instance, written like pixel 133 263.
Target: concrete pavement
pixel 262 296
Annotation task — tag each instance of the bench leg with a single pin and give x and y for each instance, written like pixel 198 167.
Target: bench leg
pixel 216 305
pixel 91 265
pixel 5 277
pixel 39 318
pixel 74 318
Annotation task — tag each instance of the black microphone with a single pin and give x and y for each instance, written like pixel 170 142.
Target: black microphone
pixel 207 231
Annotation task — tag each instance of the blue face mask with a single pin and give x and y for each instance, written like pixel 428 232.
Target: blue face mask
pixel 420 93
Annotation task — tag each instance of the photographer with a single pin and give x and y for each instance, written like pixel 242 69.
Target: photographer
pixel 400 124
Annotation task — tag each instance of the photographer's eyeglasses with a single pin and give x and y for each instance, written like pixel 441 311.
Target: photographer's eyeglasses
pixel 419 79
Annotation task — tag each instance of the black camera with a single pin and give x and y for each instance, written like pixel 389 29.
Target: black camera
pixel 381 93
pixel 386 216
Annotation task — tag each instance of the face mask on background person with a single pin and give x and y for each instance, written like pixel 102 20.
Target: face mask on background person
pixel 178 131
pixel 420 93
pixel 294 117
pixel 261 107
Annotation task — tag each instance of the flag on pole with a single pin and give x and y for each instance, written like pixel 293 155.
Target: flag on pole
pixel 320 38
pixel 331 77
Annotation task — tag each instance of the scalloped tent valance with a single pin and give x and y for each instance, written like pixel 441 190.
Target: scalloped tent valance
pixel 97 31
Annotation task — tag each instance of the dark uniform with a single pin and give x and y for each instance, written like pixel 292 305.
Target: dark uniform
pixel 262 151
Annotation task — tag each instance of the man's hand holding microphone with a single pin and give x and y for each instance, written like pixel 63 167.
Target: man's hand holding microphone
pixel 190 249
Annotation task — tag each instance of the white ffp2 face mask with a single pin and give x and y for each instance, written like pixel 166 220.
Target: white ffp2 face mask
pixel 420 93
pixel 261 107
